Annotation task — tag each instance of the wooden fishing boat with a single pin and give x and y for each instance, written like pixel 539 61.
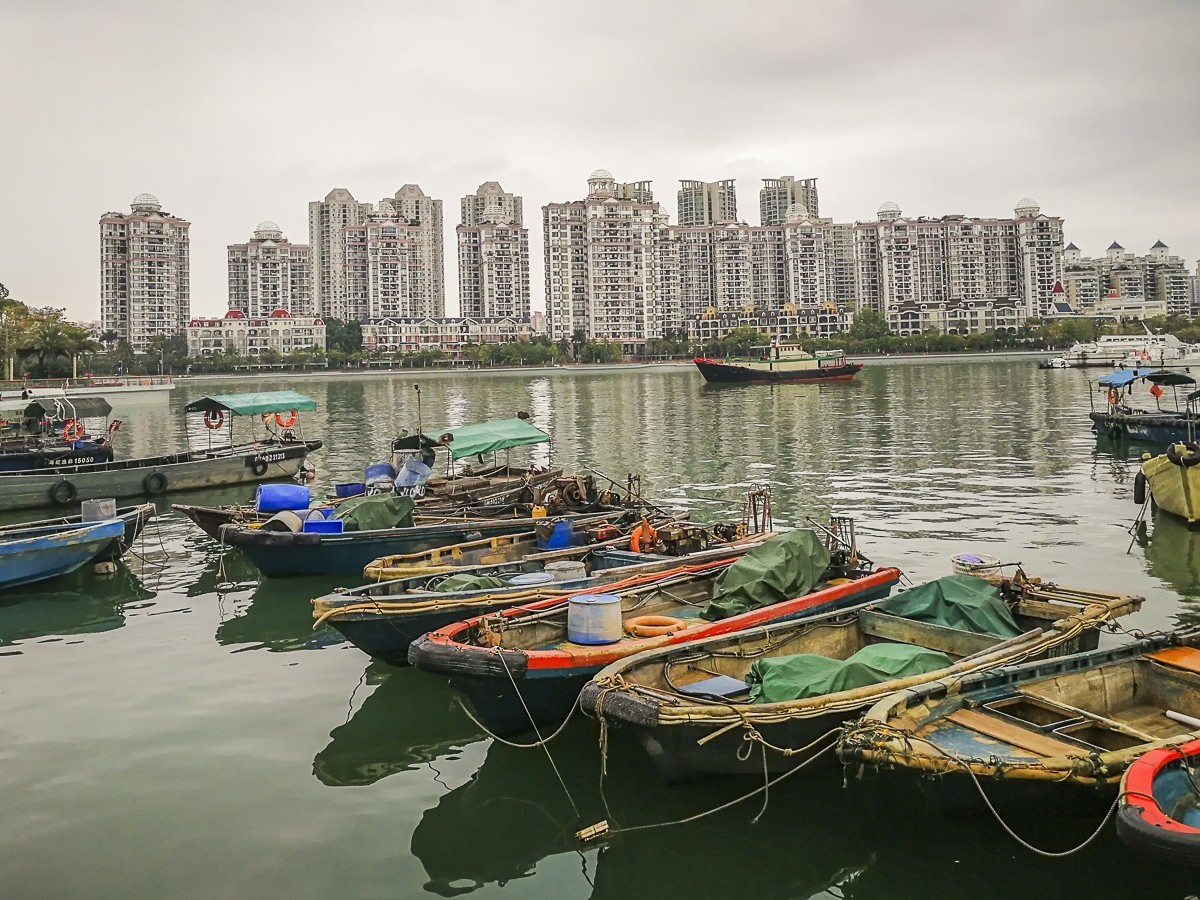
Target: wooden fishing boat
pixel 281 554
pixel 28 555
pixel 1159 807
pixel 1057 734
pixel 279 453
pixel 779 364
pixel 1119 419
pixel 520 667
pixel 790 687
pixel 1172 480
pixel 61 431
pixel 134 519
pixel 384 618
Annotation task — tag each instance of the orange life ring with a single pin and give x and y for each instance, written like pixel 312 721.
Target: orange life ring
pixel 289 422
pixel 72 430
pixel 214 419
pixel 1114 396
pixel 652 626
pixel 644 532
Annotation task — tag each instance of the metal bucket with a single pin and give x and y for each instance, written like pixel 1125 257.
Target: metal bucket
pixel 567 570
pixel 97 510
pixel 594 619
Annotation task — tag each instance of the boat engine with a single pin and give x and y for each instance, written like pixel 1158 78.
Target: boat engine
pixel 680 538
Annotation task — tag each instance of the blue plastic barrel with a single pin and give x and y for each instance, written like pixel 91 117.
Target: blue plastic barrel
pixel 559 538
pixel 350 489
pixel 594 619
pixel 270 498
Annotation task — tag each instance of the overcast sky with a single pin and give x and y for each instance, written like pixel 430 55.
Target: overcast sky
pixel 235 112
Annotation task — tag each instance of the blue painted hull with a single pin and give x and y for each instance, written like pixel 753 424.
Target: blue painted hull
pixel 282 554
pixel 37 554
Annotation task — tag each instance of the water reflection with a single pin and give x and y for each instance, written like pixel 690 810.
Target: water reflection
pixel 408 721
pixel 79 603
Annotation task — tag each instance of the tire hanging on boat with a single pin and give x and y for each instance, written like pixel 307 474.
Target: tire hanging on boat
pixel 1184 454
pixel 259 467
pixel 63 492
pixel 154 483
pixel 1139 488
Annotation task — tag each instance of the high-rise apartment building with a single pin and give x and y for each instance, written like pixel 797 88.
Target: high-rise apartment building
pixel 493 256
pixel 706 203
pixel 600 263
pixel 1121 277
pixel 144 272
pixel 778 195
pixel 368 258
pixel 270 273
pixel 487 195
pixel 326 220
pixel 906 267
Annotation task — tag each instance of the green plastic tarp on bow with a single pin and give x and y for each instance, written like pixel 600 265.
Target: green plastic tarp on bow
pixel 376 511
pixel 807 675
pixel 786 566
pixel 464 581
pixel 956 601
pixel 486 437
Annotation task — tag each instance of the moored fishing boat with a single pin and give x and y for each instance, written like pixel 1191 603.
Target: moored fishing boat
pixel 357 533
pixel 29 555
pixel 1056 734
pixel 779 364
pixel 36 434
pixel 789 687
pixel 524 667
pixel 1159 807
pixel 134 519
pixel 279 453
pixel 1172 480
pixel 383 619
pixel 1118 418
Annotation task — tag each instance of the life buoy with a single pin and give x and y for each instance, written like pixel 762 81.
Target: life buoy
pixel 259 466
pixel 288 422
pixel 652 626
pixel 72 430
pixel 643 534
pixel 214 419
pixel 1114 396
pixel 1184 454
pixel 154 483
pixel 63 492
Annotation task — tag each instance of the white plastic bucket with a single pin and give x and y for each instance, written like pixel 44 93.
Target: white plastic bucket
pixel 566 570
pixel 594 619
pixel 975 564
pixel 97 510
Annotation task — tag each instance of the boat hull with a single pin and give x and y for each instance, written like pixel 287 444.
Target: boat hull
pixel 27 561
pixel 1175 488
pixel 1148 428
pixel 151 476
pixel 716 372
pixel 501 684
pixel 282 554
pixel 134 519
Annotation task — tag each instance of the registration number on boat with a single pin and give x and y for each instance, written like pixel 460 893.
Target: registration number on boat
pixel 276 456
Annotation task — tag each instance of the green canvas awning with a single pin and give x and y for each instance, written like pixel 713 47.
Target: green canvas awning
pixel 467 440
pixel 69 407
pixel 253 404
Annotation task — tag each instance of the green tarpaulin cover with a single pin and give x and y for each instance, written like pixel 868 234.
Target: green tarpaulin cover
pixel 254 404
pixel 807 675
pixel 376 511
pixel 467 582
pixel 486 437
pixel 781 568
pixel 956 601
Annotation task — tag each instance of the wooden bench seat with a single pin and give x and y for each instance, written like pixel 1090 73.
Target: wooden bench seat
pixel 1031 741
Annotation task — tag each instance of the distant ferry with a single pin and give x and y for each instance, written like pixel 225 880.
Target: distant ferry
pixel 779 364
pixel 87 386
pixel 1111 350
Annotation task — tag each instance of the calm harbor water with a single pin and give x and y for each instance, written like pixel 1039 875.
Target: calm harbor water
pixel 179 730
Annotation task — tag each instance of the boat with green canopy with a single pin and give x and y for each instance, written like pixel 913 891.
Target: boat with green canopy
pixel 275 450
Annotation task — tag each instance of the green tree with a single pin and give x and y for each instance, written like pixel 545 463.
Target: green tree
pixel 869 324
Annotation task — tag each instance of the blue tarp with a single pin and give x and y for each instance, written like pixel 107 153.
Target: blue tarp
pixel 1124 376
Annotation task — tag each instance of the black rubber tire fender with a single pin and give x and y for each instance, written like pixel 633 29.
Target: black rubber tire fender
pixel 1139 488
pixel 259 467
pixel 1190 455
pixel 63 492
pixel 154 483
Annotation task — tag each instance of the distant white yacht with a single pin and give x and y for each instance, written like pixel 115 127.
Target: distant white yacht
pixel 1132 350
